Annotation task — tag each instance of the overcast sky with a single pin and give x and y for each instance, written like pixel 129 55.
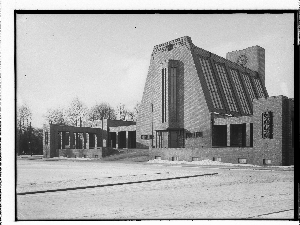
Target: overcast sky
pixel 105 58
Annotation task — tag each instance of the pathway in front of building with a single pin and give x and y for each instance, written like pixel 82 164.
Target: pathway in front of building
pixel 111 190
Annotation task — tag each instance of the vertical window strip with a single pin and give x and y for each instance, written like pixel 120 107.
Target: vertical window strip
pixel 173 93
pixel 240 91
pixel 163 95
pixel 249 86
pixel 259 88
pixel 226 87
pixel 165 119
pixel 211 84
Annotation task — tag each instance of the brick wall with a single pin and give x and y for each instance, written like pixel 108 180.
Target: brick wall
pixel 278 148
pixel 193 114
pixel 227 155
pixel 80 153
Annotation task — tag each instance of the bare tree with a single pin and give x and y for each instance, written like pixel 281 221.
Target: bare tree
pixel 136 110
pixel 101 111
pixel 29 139
pixel 76 113
pixel 24 116
pixel 55 116
pixel 122 112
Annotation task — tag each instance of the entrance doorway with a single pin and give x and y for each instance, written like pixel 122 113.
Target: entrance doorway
pixel 169 139
pixel 174 139
pixel 122 139
pixel 219 135
pixel 113 138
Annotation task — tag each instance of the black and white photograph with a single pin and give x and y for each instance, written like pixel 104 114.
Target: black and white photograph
pixel 154 115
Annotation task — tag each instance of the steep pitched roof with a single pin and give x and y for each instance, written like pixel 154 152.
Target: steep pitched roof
pixel 229 88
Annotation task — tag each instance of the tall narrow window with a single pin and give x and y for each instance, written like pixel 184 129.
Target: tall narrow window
pixel 173 103
pixel 165 73
pixel 164 94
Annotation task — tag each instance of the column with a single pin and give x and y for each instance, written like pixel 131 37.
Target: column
pixel 248 134
pixel 228 135
pixel 75 140
pixel 117 139
pixel 61 140
pixel 96 140
pixel 87 141
pixel 71 140
pixel 84 140
pixel 127 140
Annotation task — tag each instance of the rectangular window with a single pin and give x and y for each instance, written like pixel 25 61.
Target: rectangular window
pixel 259 88
pixel 240 91
pixel 267 125
pixel 249 86
pixel 217 159
pixel 173 104
pixel 211 83
pixel 227 88
pixel 195 159
pixel 46 138
pixel 150 137
pixel 242 161
pixel 267 162
pixel 144 137
pixel 198 134
pixel 175 158
pixel 188 135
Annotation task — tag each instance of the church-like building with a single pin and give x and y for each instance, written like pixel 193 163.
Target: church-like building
pixel 197 105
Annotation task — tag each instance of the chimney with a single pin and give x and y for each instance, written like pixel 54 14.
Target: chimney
pixel 252 58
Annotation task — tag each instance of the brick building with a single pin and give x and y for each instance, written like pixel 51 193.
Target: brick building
pixel 197 105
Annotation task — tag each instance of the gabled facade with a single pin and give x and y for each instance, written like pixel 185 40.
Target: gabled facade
pixel 194 99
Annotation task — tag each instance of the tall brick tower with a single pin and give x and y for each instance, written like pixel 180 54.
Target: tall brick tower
pixel 252 58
